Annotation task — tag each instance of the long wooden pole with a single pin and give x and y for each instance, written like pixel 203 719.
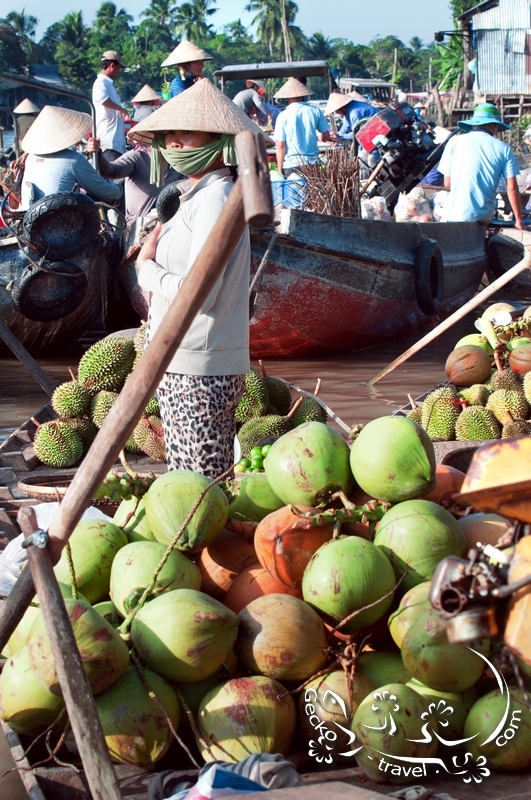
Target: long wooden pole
pixel 140 387
pixel 491 289
pixel 46 384
pixel 73 679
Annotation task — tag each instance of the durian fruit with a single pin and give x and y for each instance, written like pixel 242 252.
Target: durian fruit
pixel 515 427
pixel 57 445
pixel 309 411
pixel 527 387
pixel 257 428
pixel 139 343
pixel 504 377
pixel 100 406
pixel 254 401
pixel 70 399
pixel 503 401
pixel 152 409
pixel 475 423
pixel 106 364
pixel 440 411
pixel 149 437
pixel 85 429
pixel 416 411
pixel 280 400
pixel 475 395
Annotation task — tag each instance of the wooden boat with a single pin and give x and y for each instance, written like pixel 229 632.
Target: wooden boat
pixel 335 284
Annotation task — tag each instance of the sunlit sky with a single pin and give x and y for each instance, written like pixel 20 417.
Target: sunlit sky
pixel 356 20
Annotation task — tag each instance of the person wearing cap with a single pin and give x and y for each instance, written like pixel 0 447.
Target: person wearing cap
pixel 352 107
pixel 205 380
pixel 110 116
pixel 190 59
pixel 52 167
pixel 26 112
pixel 251 100
pixel 145 100
pixel 297 128
pixel 473 166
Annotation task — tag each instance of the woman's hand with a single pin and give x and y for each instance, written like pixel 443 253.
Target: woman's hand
pixel 93 145
pixel 149 247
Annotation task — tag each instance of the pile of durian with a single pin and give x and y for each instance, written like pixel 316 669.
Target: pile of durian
pixel 488 393
pixel 83 403
pixel 268 409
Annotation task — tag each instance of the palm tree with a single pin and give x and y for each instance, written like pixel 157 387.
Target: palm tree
pixel 161 13
pixel 191 20
pixel 73 30
pixel 24 26
pixel 270 29
pixel 107 16
pixel 321 47
pixel 416 44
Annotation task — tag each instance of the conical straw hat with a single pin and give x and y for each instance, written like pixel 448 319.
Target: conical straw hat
pixel 56 129
pixel 202 107
pixel 293 88
pixel 337 100
pixel 145 95
pixel 26 107
pixel 184 52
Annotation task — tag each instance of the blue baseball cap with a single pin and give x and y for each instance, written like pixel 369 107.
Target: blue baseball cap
pixel 484 114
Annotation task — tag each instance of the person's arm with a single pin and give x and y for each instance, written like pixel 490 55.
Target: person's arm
pixel 257 100
pixel 447 182
pixel 281 152
pixel 323 127
pixel 94 184
pixel 513 195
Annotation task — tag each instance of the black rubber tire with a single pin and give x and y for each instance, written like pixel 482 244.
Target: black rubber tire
pixel 62 225
pixel 168 202
pixel 45 297
pixel 429 277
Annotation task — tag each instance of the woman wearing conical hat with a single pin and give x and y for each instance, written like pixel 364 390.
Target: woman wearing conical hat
pixel 145 102
pixel 26 112
pixel 297 128
pixel 190 59
pixel 51 166
pixel 205 380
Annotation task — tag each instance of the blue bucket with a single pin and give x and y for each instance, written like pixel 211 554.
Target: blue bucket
pixel 289 193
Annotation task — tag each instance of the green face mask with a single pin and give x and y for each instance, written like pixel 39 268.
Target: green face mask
pixel 191 161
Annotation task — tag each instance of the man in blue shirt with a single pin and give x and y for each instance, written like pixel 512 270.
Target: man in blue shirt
pixel 473 165
pixel 297 128
pixel 352 107
pixel 191 60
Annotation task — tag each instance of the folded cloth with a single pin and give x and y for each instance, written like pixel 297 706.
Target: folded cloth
pixel 218 782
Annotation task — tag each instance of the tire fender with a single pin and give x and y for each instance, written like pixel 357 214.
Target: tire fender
pixel 168 202
pixel 43 296
pixel 429 276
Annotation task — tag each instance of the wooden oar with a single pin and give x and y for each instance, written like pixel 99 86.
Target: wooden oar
pixel 491 289
pixel 145 378
pixel 46 384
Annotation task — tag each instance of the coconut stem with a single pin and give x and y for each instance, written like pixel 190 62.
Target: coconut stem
pixel 371 605
pixel 412 402
pixel 71 570
pixel 292 410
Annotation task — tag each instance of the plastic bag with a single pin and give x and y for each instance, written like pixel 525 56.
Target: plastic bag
pixel 375 208
pixel 413 207
pixel 439 202
pixel 14 557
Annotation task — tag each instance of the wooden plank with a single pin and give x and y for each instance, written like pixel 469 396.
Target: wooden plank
pixel 46 384
pixel 7 525
pixel 28 778
pixel 333 790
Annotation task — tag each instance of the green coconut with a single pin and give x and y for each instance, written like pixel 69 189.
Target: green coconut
pixel 451 723
pixel 184 635
pixel 103 652
pixel 136 731
pixel 245 716
pixel 253 497
pixel 108 611
pixel 345 575
pixel 26 705
pixel 416 535
pixel 476 339
pixel 281 637
pixel 94 544
pixel 328 699
pixel 510 750
pixel 412 605
pixel 393 459
pixel 131 517
pixel 435 662
pixel 306 462
pixel 381 668
pixel 386 724
pixel 169 500
pixel 133 569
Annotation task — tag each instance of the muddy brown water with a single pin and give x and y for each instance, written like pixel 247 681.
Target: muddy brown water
pixel 343 388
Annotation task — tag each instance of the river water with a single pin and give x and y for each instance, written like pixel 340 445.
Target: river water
pixel 343 388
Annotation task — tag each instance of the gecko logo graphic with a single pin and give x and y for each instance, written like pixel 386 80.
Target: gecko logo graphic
pixel 334 739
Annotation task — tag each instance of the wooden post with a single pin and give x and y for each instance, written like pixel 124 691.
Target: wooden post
pixel 438 103
pixel 46 384
pixel 74 683
pixel 133 398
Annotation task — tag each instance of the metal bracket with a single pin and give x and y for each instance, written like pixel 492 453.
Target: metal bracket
pixel 39 538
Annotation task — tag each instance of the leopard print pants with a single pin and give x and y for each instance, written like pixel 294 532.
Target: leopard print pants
pixel 198 419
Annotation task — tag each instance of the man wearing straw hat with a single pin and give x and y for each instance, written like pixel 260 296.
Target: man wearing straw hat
pixel 297 128
pixel 146 100
pixel 52 167
pixel 353 108
pixel 473 166
pixel 194 132
pixel 250 100
pixel 190 59
pixel 26 112
pixel 110 116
